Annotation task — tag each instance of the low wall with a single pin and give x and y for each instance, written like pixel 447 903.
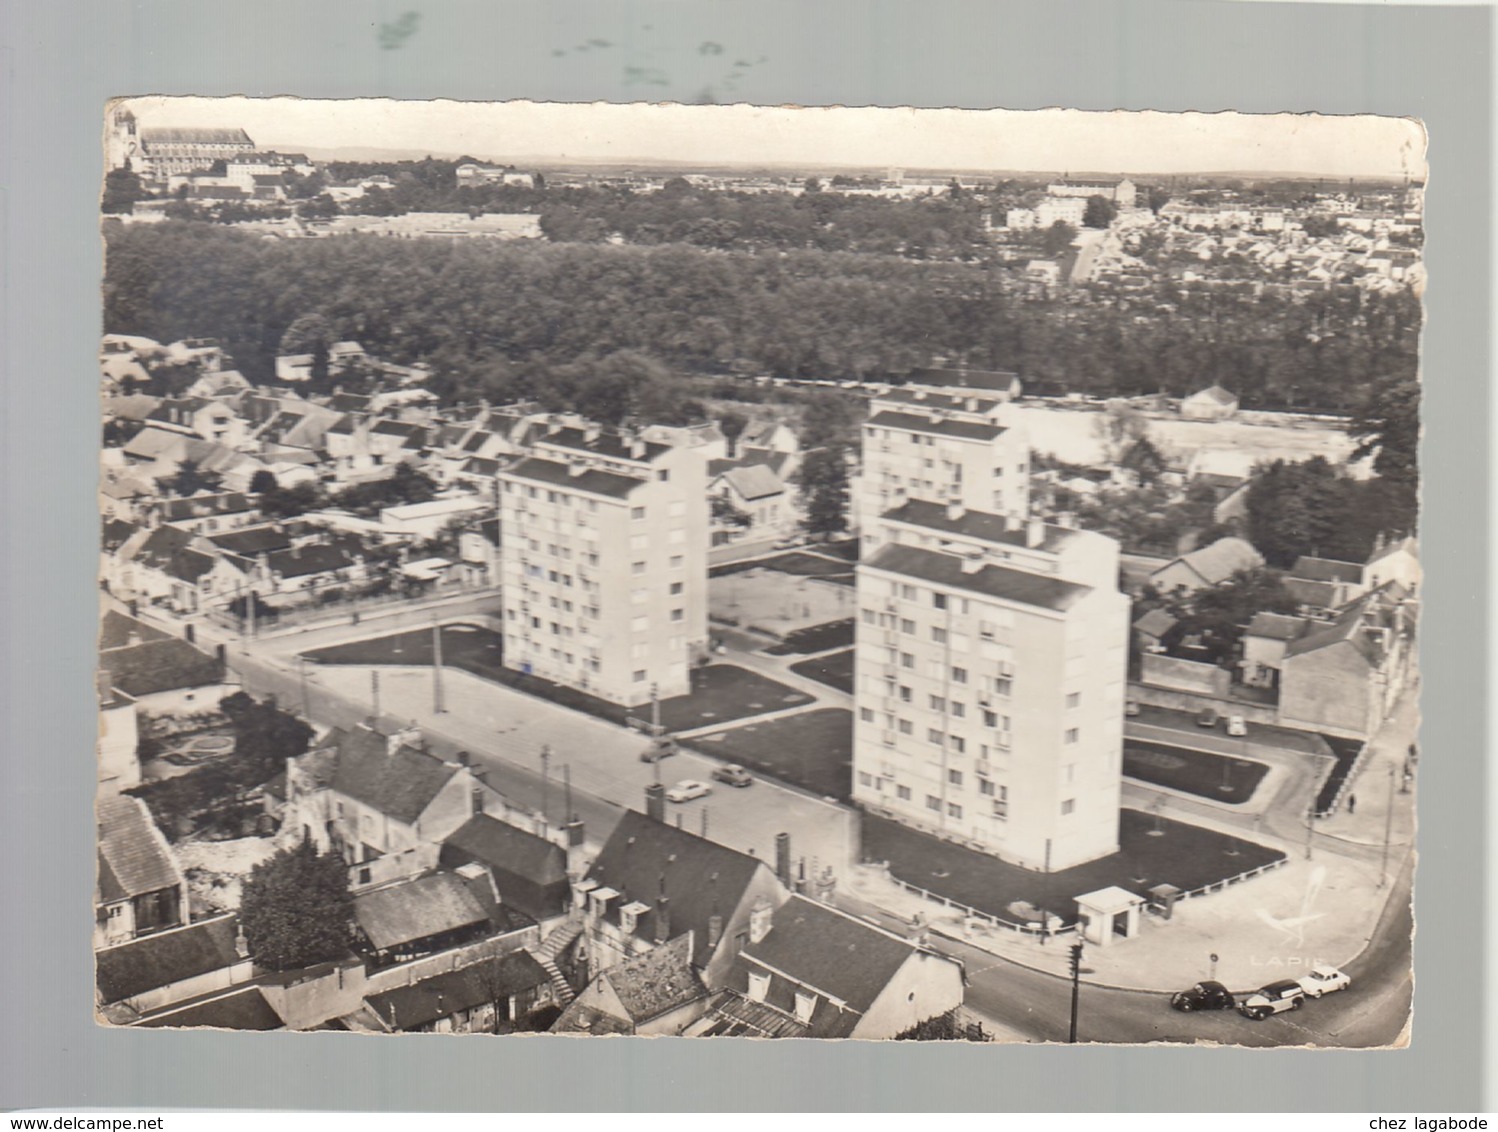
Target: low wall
pixel 1186 675
pixel 1194 702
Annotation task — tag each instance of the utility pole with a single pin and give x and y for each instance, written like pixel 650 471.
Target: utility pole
pixel 1383 868
pixel 1310 826
pixel 567 791
pixel 301 668
pixel 374 693
pixel 1076 986
pixel 1045 911
pixel 437 706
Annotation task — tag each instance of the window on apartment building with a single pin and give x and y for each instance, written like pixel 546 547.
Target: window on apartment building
pixel 639 542
pixel 936 703
pixel 902 793
pixel 907 592
pixel 637 567
pixel 1068 806
pixel 907 625
pixel 905 727
pixel 933 803
pixel 935 736
pixel 990 718
pixel 678 615
pixel 677 561
pixel 904 693
pixel 985 786
pixel 639 676
pixel 865 778
pixel 954 777
pixel 1070 773
pixel 959 675
pixel 959 744
pixel 866 714
pixel 939 601
pixel 639 624
pixel 1072 734
pixel 998 472
pixel 677 587
pixel 1073 699
pixel 639 595
pixel 870 617
pixel 759 986
pixel 663 475
pixel 954 810
pixel 907 660
pixel 637 512
pixel 938 634
pixel 678 508
pixel 1003 685
pixel 535 622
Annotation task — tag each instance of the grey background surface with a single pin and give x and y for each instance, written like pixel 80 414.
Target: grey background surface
pixel 62 59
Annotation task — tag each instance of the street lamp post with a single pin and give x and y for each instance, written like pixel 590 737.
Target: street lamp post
pixel 1076 986
pixel 545 782
pixel 1310 826
pixel 301 668
pixel 437 707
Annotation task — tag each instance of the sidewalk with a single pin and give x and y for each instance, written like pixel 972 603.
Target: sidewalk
pixel 1383 803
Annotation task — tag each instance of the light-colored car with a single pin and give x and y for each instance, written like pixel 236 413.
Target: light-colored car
pixel 1237 726
pixel 687 789
pixel 1275 998
pixel 1324 980
pixel 733 774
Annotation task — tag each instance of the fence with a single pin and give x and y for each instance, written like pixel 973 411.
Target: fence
pixel 315 614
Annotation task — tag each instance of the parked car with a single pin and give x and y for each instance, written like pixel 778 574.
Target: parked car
pixel 1275 998
pixel 786 543
pixel 1204 996
pixel 1324 980
pixel 1207 718
pixel 660 749
pixel 733 774
pixel 1237 726
pixel 687 789
pixel 1131 707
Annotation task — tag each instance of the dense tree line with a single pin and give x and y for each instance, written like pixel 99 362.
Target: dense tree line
pixel 500 319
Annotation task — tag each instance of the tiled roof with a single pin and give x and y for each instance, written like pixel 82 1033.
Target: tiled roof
pixel 1326 570
pixel 831 952
pixel 661 979
pixel 400 786
pixel 252 540
pixel 981 525
pixel 1276 626
pixel 1019 586
pixel 593 481
pixel 608 442
pixel 979 379
pixel 1218 561
pixel 134 858
pixel 739 1017
pixel 489 841
pixel 441 996
pixel 165 958
pixel 181 135
pixel 246 1009
pixel 1216 393
pixel 950 401
pixel 116 631
pixel 416 909
pixel 754 482
pixel 1157 622
pixel 914 422
pixel 164 665
pixel 304 561
pixel 701 878
pixel 1323 595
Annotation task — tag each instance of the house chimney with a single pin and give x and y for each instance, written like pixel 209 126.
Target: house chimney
pixel 636 448
pixel 955 510
pixel 920 394
pixel 1034 532
pixel 591 433
pixel 241 944
pixel 576 468
pixel 760 919
pixel 783 858
pixel 971 404
pixel 972 562
pixel 655 802
pixel 1012 522
pixel 663 919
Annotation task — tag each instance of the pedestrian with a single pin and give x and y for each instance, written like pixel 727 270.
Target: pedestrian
pixel 1352 803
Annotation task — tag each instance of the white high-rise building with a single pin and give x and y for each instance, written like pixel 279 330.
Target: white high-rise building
pixel 992 654
pixel 604 542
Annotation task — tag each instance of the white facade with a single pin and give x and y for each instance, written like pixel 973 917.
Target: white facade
pixel 1068 210
pixel 604 561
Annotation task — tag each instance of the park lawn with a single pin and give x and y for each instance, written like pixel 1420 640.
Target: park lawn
pixel 1186 856
pixel 1194 772
pixel 835 670
pixel 816 638
pixel 813 750
pixel 720 692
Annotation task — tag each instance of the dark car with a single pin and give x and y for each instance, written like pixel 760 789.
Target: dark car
pixel 660 749
pixel 1207 718
pixel 1204 996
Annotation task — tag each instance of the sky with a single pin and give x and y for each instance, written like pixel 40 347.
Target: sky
pixel 1044 140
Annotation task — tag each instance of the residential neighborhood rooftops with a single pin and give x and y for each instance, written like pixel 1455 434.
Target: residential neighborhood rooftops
pixel 426 1001
pixel 246 1009
pixel 501 845
pixel 656 982
pixel 981 525
pixel 754 481
pixel 1276 626
pixel 1156 623
pixel 400 785
pixel 117 631
pixel 952 402
pixel 1218 561
pixel 303 561
pixel 134 858
pixel 415 909
pixel 452 505
pixel 606 442
pixel 168 957
pixel 1021 587
pixel 994 381
pixel 160 665
pixel 593 481
pixel 935 426
pixel 1326 570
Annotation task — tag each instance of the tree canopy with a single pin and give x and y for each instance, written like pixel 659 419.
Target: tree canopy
pixel 296 909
